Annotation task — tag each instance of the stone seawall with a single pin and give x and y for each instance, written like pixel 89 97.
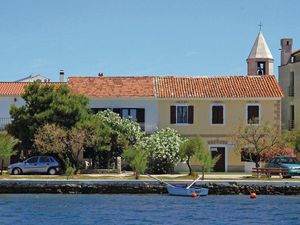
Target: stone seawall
pixel 230 188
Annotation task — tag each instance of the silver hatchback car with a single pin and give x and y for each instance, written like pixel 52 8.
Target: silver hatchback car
pixel 35 164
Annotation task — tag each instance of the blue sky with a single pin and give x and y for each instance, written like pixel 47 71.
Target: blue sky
pixel 139 37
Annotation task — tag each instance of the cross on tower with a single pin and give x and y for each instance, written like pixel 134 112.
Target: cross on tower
pixel 260 25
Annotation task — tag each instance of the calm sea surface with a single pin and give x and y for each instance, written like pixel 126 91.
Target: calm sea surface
pixel 37 209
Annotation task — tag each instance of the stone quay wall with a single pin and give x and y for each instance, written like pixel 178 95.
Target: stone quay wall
pixel 230 188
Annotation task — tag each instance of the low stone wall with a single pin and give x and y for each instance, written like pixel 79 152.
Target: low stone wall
pixel 237 189
pixel 99 171
pixel 142 188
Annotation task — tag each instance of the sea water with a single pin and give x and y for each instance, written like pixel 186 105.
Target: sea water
pixel 52 209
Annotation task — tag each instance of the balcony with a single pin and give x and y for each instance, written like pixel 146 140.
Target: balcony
pixel 291 91
pixel 291 124
pixel 4 121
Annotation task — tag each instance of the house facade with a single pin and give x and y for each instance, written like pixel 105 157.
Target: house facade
pixel 132 97
pixel 289 81
pixel 216 107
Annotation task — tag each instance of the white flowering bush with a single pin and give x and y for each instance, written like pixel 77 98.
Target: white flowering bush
pixel 131 130
pixel 163 149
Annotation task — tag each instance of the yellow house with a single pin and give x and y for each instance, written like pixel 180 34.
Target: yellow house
pixel 211 107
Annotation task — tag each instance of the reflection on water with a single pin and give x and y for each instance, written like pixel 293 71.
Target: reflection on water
pixel 49 209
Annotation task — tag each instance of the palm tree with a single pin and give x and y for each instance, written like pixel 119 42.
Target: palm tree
pixel 7 144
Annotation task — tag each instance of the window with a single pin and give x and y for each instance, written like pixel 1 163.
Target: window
pixel 253 114
pixel 182 114
pixel 217 114
pixel 292 84
pixel 44 159
pixel 247 155
pixel 292 117
pixel 135 114
pixel 129 113
pixel 32 159
pixel 261 68
pixel 96 110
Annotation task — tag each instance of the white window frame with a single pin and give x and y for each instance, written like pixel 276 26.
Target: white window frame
pixel 259 114
pixel 211 115
pixel 180 105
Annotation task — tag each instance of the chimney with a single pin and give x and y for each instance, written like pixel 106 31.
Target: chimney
pixel 61 76
pixel 286 50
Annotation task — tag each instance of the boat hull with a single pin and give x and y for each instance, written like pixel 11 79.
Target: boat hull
pixel 182 191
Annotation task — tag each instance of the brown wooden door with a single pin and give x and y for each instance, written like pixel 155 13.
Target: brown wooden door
pixel 220 165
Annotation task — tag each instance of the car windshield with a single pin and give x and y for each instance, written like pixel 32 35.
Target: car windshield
pixel 288 160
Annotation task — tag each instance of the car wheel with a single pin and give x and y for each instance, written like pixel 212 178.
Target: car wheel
pixel 16 171
pixel 52 171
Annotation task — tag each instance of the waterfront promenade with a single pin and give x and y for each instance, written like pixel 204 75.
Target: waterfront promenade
pixel 218 184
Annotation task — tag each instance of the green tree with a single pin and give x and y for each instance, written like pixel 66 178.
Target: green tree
pixel 254 141
pixel 99 134
pixel 7 144
pixel 67 144
pixel 206 161
pixel 137 158
pixel 163 147
pixel 124 133
pixel 45 103
pixel 50 139
pixel 296 142
pixel 191 148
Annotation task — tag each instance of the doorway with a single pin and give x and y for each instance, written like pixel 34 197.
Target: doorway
pixel 220 165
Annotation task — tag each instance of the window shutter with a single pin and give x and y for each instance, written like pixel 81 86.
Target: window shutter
pixel 173 114
pixel 191 114
pixel 140 115
pixel 221 120
pixel 117 110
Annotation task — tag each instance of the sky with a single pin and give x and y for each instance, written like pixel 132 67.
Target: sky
pixel 139 37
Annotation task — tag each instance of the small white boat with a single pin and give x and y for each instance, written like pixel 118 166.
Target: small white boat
pixel 183 191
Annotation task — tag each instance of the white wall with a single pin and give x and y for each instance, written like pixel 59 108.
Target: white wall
pixel 150 106
pixel 5 103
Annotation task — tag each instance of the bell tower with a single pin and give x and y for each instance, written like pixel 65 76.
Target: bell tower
pixel 260 60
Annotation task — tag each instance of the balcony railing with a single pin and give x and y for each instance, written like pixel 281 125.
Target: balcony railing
pixel 4 121
pixel 291 91
pixel 291 124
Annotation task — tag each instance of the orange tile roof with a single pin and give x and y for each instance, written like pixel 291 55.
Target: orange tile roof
pixel 17 88
pixel 218 87
pixel 113 86
pixel 165 87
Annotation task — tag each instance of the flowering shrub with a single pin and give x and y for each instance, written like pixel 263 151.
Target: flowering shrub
pixel 131 130
pixel 277 152
pixel 163 149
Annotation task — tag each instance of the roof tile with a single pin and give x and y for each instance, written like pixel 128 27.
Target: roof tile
pixel 17 88
pixel 113 86
pixel 218 87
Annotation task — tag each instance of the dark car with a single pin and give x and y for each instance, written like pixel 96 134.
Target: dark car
pixel 290 163
pixel 35 164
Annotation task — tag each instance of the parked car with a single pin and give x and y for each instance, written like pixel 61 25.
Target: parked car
pixel 290 163
pixel 35 164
